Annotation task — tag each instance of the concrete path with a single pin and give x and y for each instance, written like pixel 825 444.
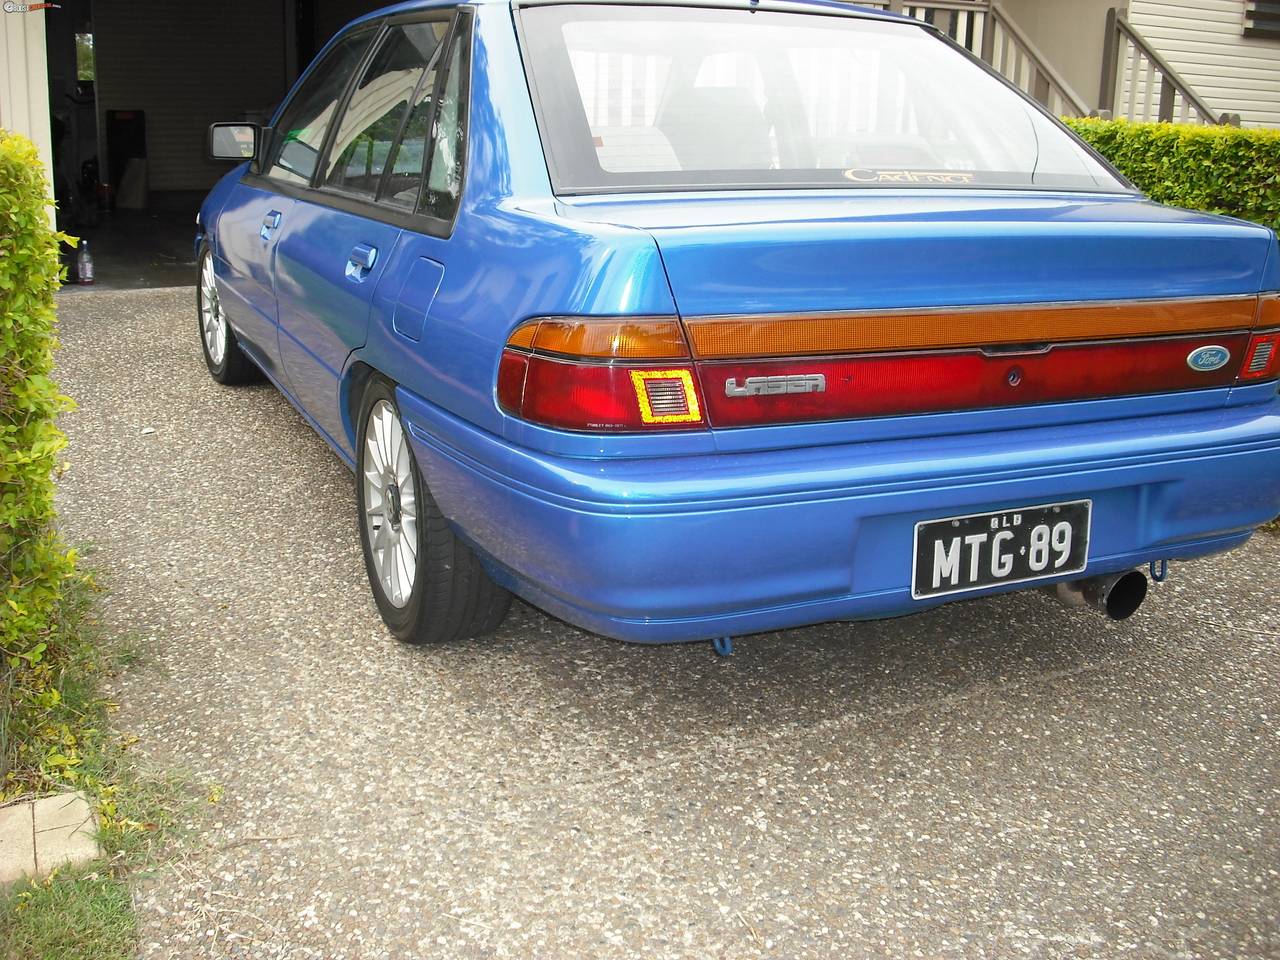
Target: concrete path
pixel 996 778
pixel 38 836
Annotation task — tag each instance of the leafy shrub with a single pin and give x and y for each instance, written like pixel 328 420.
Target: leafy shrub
pixel 34 563
pixel 1220 169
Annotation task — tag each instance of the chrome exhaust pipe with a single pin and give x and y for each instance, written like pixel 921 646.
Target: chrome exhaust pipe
pixel 1117 595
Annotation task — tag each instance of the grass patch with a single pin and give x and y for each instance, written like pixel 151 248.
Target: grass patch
pixel 1272 526
pixel 78 915
pixel 59 741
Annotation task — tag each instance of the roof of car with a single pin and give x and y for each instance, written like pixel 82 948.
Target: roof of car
pixel 792 6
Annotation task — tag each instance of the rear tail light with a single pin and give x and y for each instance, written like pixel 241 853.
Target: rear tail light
pixel 641 375
pixel 614 374
pixel 761 392
pixel 1261 356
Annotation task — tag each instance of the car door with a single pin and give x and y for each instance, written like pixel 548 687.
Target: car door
pixel 333 252
pixel 417 296
pixel 251 224
pixel 248 228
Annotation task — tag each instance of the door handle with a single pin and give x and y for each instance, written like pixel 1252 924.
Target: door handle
pixel 361 260
pixel 269 223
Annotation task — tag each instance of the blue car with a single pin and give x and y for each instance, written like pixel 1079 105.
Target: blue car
pixel 682 320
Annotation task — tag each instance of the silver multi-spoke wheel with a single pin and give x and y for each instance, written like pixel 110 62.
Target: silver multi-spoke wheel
pixel 390 504
pixel 227 363
pixel 428 584
pixel 213 325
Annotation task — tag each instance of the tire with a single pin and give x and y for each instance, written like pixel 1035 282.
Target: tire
pixel 227 363
pixel 428 584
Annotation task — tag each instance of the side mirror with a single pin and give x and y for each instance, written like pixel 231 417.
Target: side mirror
pixel 233 141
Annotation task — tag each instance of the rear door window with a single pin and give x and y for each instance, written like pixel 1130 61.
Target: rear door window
pixel 395 89
pixel 448 133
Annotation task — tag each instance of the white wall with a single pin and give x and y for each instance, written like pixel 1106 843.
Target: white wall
pixel 24 82
pixel 1202 40
pixel 1070 33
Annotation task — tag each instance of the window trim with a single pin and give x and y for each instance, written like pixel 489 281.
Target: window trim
pixel 375 209
pixel 1270 16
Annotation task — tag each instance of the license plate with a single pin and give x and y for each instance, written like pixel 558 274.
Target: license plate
pixel 959 554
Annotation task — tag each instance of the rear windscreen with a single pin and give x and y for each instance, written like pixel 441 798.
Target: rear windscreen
pixel 635 97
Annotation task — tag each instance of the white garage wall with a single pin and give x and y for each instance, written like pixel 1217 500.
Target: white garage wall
pixel 24 81
pixel 1202 40
pixel 187 65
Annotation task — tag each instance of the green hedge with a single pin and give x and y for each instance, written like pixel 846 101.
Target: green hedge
pixel 1221 169
pixel 34 563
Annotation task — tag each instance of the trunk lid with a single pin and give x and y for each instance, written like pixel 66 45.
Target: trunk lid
pixel 823 253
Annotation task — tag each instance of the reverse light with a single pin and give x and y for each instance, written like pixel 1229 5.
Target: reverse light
pixel 601 374
pixel 666 396
pixel 1262 356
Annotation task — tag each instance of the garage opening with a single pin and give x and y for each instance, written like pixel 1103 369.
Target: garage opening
pixel 133 87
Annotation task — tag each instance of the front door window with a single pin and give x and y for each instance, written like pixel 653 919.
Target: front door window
pixel 300 128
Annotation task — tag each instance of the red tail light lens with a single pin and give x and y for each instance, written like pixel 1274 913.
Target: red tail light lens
pixel 880 385
pixel 1262 358
pixel 600 375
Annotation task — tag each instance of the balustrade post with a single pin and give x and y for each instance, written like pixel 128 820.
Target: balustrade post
pixel 1110 61
pixel 1167 93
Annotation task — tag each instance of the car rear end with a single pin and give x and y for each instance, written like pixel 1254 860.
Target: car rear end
pixel 923 344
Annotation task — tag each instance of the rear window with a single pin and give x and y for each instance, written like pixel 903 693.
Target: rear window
pixel 633 97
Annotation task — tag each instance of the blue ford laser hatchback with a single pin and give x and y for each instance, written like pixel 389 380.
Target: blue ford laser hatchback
pixel 683 320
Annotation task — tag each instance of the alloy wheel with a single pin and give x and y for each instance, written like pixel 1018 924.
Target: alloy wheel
pixel 213 324
pixel 390 503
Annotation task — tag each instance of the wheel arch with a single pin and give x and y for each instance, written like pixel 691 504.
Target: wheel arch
pixel 354 384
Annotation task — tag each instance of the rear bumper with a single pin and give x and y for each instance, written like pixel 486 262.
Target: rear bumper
pixel 693 547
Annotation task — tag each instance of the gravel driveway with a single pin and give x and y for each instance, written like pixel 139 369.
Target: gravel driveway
pixel 996 778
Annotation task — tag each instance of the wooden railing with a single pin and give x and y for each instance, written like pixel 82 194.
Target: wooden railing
pixel 984 28
pixel 1137 83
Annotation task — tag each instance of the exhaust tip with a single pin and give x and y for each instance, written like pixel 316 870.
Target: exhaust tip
pixel 1118 597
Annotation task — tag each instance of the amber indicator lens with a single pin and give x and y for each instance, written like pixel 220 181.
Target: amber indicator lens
pixel 1268 311
pixel 869 332
pixel 619 339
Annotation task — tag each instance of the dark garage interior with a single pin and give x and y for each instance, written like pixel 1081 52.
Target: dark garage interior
pixel 133 87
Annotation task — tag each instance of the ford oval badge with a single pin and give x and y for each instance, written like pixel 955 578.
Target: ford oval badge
pixel 1209 357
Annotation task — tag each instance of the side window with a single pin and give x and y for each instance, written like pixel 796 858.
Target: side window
pixel 448 147
pixel 300 130
pixel 402 68
pixel 404 183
